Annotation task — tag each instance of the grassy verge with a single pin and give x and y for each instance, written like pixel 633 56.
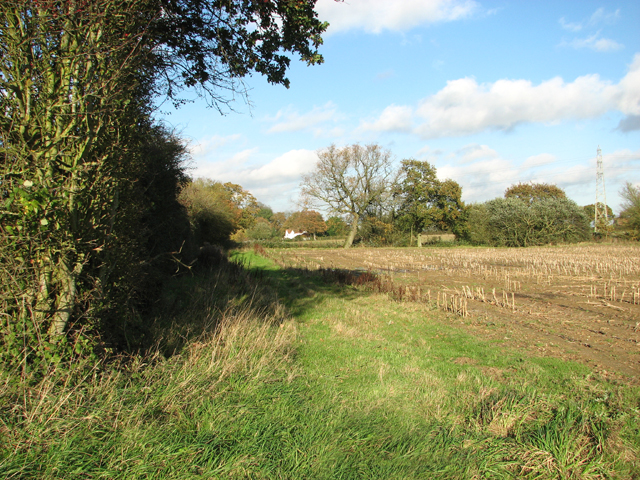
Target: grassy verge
pixel 299 377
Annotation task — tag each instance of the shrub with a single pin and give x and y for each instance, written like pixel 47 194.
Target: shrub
pixel 513 222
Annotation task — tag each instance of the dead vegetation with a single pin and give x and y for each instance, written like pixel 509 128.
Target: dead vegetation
pixel 580 302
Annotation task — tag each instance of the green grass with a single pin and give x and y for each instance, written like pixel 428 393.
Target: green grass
pixel 294 377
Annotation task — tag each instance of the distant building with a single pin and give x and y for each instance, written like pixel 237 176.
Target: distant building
pixel 291 234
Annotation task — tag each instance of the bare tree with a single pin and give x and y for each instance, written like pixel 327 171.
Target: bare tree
pixel 349 180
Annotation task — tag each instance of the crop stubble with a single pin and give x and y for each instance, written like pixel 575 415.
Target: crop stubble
pixel 578 302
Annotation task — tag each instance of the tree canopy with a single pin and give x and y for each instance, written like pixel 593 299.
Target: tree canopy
pixel 426 202
pixel 210 44
pixel 336 227
pixel 308 221
pixel 530 192
pixel 349 180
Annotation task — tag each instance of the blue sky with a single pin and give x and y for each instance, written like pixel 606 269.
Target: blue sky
pixel 490 92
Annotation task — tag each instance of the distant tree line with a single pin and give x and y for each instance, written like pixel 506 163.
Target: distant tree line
pixel 387 206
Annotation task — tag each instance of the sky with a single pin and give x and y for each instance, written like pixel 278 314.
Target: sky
pixel 492 93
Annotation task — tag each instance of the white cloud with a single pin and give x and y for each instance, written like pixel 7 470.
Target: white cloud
pixel 538 161
pixel 374 16
pixel 464 107
pixel 393 118
pixel 207 145
pixel 285 168
pixel 474 151
pixel 594 42
pixel 222 170
pixel 289 120
pixel 600 16
pixel 427 151
pixel 572 27
pixel 629 89
pixel 274 182
pixel 483 179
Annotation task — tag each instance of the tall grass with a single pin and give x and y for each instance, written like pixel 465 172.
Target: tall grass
pixel 140 419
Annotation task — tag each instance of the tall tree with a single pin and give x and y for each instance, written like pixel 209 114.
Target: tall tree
pixel 212 213
pixel 590 211
pixel 277 222
pixel 247 206
pixel 605 225
pixel 71 96
pixel 349 180
pixel 213 44
pixel 426 202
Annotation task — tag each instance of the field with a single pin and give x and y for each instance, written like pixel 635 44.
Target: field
pixel 573 302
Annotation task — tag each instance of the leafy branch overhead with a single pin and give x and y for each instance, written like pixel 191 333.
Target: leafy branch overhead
pixel 210 44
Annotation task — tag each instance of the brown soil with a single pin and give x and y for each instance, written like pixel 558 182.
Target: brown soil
pixel 578 303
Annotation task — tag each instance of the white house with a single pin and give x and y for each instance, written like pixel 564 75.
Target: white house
pixel 291 234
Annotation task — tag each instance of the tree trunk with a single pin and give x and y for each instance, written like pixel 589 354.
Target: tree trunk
pixel 66 276
pixel 352 233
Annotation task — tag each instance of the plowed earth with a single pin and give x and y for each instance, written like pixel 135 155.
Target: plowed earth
pixel 579 303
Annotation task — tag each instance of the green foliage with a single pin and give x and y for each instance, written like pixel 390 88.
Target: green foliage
pixel 530 214
pixel 589 211
pixel 210 44
pixel 261 230
pixel 160 178
pixel 516 223
pixel 374 231
pixel 602 225
pixel 531 192
pixel 277 222
pixel 73 109
pixel 336 227
pixel 246 205
pixel 265 212
pixel 630 214
pixel 212 214
pixel 88 203
pixel 426 202
pixel 477 230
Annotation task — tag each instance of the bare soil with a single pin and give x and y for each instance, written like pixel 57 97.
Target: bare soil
pixel 579 303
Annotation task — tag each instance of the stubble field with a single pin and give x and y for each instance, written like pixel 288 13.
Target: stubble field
pixel 579 303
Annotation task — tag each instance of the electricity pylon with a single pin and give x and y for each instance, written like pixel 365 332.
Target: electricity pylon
pixel 601 218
